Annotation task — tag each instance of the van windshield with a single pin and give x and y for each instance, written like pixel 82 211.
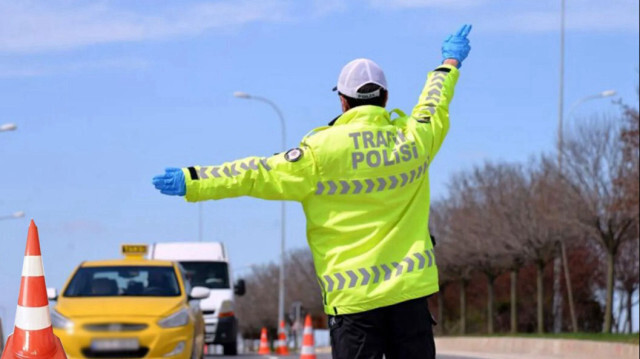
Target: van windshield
pixel 212 275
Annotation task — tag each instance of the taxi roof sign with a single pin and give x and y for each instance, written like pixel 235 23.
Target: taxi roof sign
pixel 134 250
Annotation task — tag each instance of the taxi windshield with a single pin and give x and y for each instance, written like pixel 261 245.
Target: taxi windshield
pixel 116 281
pixel 212 275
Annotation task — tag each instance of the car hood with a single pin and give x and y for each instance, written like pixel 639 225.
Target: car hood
pixel 118 306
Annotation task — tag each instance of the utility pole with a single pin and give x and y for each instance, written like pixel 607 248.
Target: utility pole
pixel 557 261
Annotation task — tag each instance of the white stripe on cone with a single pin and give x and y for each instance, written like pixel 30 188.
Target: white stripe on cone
pixel 32 318
pixel 32 266
pixel 307 330
pixel 308 350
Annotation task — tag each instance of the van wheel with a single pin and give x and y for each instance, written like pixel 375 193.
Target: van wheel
pixel 230 349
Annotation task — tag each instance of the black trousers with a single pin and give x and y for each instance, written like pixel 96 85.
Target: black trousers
pixel 400 331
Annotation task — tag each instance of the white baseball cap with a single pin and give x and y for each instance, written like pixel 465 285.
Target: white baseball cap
pixel 358 73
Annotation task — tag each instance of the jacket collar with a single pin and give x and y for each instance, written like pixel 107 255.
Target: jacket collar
pixel 368 114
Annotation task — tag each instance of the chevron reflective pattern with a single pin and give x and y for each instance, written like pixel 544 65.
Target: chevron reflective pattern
pixel 232 169
pixel 379 273
pixel 433 94
pixel 368 185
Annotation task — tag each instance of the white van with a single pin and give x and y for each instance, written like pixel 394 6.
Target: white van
pixel 207 265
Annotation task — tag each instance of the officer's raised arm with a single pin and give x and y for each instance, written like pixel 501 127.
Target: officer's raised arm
pixel 285 176
pixel 433 104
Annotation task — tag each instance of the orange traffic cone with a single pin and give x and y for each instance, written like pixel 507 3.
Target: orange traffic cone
pixel 264 343
pixel 281 344
pixel 308 350
pixel 33 336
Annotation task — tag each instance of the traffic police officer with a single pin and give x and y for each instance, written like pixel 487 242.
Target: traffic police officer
pixel 363 182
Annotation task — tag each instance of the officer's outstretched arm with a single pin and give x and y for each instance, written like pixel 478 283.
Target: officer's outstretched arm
pixel 433 106
pixel 285 176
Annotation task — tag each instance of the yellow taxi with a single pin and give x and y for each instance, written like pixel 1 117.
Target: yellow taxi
pixel 129 308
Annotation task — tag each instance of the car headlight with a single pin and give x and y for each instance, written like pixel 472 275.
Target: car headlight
pixel 177 350
pixel 177 319
pixel 60 321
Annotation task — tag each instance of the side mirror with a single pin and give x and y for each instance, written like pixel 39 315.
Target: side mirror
pixel 240 288
pixel 199 293
pixel 52 294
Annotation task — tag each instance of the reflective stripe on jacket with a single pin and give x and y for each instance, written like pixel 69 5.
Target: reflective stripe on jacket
pixel 364 187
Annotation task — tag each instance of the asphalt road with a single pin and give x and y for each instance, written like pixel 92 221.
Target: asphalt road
pixel 320 356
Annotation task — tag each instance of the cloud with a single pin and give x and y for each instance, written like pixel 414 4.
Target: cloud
pixel 30 26
pixel 525 16
pixel 415 4
pixel 595 19
pixel 326 7
pixel 23 70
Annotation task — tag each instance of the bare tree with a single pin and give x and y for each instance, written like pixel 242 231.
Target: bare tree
pixel 451 256
pixel 258 308
pixel 628 179
pixel 594 162
pixel 302 283
pixel 528 221
pixel 511 204
pixel 480 196
pixel 497 218
pixel 505 210
pixel 536 217
pixel 439 228
pixel 262 287
pixel 627 268
pixel 456 267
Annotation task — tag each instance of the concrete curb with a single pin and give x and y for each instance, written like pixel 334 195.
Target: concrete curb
pixel 533 348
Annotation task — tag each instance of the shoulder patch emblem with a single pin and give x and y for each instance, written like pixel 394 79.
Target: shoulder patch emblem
pixel 293 154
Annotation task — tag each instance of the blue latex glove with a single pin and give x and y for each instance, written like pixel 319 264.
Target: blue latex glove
pixel 456 46
pixel 171 183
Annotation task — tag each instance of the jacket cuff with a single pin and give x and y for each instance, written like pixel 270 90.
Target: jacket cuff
pixel 192 184
pixel 446 68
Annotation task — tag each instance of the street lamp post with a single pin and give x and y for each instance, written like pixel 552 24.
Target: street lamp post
pixel 8 127
pixel 563 250
pixel 603 94
pixel 14 215
pixel 247 96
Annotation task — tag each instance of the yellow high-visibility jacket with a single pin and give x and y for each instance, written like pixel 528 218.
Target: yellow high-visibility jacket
pixel 364 186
